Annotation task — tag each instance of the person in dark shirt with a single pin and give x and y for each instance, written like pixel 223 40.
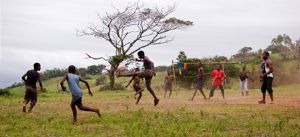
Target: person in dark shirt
pixel 30 79
pixel 266 77
pixel 148 73
pixel 200 81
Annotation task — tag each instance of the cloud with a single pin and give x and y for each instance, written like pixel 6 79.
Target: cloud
pixel 45 31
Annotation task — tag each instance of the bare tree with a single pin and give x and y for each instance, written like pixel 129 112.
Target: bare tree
pixel 132 29
pixel 283 45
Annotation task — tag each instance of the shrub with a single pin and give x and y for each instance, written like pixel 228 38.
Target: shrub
pixel 4 92
pixel 118 86
pixel 101 80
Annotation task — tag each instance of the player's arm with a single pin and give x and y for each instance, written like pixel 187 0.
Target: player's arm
pixel 24 76
pixel 212 73
pixel 129 82
pixel 62 82
pixel 40 82
pixel 224 75
pixel 87 85
pixel 270 65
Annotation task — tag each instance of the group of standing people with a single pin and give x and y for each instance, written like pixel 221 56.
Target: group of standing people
pixel 218 74
pixel 32 76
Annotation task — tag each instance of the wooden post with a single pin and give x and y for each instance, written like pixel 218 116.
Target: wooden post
pixel 174 74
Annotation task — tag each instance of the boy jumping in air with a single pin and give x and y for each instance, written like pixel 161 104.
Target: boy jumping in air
pixel 73 82
pixel 219 77
pixel 30 78
pixel 136 86
pixel 148 73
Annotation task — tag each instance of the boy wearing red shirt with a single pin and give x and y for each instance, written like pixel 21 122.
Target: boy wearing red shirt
pixel 219 76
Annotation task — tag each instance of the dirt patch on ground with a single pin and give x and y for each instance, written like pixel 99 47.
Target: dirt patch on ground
pixel 277 101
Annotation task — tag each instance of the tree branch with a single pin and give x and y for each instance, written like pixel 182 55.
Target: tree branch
pixel 89 56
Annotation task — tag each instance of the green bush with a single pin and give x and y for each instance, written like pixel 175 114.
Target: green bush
pixel 4 92
pixel 101 80
pixel 106 87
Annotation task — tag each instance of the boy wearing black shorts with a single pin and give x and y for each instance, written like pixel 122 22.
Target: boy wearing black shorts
pixel 266 77
pixel 200 81
pixel 30 79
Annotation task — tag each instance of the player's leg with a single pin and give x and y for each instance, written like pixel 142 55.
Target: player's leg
pixel 166 90
pixel 33 99
pixel 263 90
pixel 140 94
pixel 246 87
pixel 212 90
pixel 148 86
pixel 26 99
pixel 270 89
pixel 222 91
pixel 242 87
pixel 202 92
pixel 74 111
pixel 171 90
pixel 85 108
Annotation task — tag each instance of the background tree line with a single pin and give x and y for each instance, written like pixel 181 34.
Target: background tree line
pixel 56 72
pixel 285 55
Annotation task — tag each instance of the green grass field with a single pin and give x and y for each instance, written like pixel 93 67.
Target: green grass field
pixel 177 116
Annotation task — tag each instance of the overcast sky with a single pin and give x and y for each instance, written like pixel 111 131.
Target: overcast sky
pixel 45 30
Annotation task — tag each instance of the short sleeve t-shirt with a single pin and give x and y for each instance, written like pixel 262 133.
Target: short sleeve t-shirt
pixel 73 82
pixel 31 78
pixel 218 75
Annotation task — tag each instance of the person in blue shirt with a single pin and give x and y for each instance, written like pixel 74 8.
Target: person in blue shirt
pixel 73 82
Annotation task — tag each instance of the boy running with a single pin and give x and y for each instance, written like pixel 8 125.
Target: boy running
pixel 266 77
pixel 200 81
pixel 73 82
pixel 30 78
pixel 136 86
pixel 148 73
pixel 168 84
pixel 219 76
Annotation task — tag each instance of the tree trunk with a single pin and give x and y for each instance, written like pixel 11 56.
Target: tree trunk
pixel 112 71
pixel 112 79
